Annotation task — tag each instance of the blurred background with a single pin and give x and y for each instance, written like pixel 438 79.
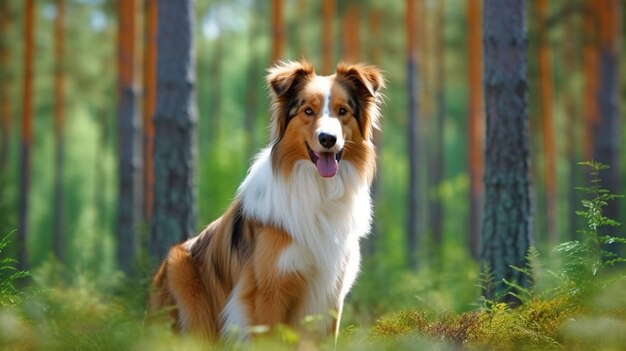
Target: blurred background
pixel 66 110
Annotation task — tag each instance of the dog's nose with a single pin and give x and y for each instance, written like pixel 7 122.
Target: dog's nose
pixel 327 140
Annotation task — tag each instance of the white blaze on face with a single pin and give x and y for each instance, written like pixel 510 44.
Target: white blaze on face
pixel 328 124
pixel 329 140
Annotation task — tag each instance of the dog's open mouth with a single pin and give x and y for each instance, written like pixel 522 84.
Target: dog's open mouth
pixel 327 163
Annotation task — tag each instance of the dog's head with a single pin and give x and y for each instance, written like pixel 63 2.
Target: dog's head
pixel 324 119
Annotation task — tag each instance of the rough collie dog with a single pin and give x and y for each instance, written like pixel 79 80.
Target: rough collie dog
pixel 288 246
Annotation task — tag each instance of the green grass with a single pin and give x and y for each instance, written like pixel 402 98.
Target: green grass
pixel 577 303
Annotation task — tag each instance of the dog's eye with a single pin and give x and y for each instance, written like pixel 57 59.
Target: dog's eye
pixel 309 111
pixel 342 111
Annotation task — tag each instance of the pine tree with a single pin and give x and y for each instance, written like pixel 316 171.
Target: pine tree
pixel 506 233
pixel 175 124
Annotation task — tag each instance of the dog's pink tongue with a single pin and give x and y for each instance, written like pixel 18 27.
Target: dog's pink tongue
pixel 327 164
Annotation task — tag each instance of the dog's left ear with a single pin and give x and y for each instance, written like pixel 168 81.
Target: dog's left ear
pixel 365 78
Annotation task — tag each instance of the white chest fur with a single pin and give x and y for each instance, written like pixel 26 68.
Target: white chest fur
pixel 325 217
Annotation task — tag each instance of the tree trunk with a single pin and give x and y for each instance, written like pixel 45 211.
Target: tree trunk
pixel 175 125
pixel 149 102
pixel 328 15
pixel 607 129
pixel 6 84
pixel 413 195
pixel 371 244
pixel 252 78
pixel 278 32
pixel 547 123
pixel 59 127
pixel 129 141
pixel 571 63
pixel 476 126
pixel 27 131
pixel 506 222
pixel 437 144
pixel 351 33
pixel 590 69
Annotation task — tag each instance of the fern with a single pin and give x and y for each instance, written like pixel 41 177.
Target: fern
pixel 587 258
pixel 9 276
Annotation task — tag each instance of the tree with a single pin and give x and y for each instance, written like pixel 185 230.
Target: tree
pixel 437 145
pixel 476 123
pixel 5 83
pixel 278 32
pixel 590 64
pixel 129 146
pixel 413 195
pixel 351 48
pixel 547 123
pixel 606 129
pixel 328 15
pixel 59 126
pixel 506 222
pixel 175 122
pixel 252 78
pixel 149 102
pixel 27 131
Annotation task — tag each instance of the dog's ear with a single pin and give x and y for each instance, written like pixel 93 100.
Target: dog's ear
pixel 365 82
pixel 284 81
pixel 285 75
pixel 366 79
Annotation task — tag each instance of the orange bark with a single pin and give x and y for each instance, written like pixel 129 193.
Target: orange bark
pixel 328 14
pixel 351 34
pixel 277 30
pixel 476 122
pixel 375 24
pixel 149 103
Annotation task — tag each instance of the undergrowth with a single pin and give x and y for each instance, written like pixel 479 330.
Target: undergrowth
pixel 578 305
pixel 10 276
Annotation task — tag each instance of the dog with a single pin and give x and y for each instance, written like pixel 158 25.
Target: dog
pixel 288 246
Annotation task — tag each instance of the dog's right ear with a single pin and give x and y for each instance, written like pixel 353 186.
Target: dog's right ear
pixel 285 75
pixel 284 80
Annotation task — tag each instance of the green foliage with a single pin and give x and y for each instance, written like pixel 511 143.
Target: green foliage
pixel 10 276
pixel 586 259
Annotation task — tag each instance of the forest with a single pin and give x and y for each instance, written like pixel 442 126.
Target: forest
pixel 127 126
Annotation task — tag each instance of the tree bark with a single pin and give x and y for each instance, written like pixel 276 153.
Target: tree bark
pixel 476 127
pixel 547 123
pixel 328 15
pixel 351 33
pixel 412 139
pixel 175 125
pixel 26 132
pixel 590 68
pixel 129 208
pixel 278 32
pixel 437 144
pixel 6 83
pixel 59 128
pixel 506 221
pixel 607 128
pixel 149 103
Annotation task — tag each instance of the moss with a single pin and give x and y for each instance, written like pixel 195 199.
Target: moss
pixel 535 326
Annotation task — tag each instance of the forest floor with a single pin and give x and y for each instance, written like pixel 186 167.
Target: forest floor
pixel 91 315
